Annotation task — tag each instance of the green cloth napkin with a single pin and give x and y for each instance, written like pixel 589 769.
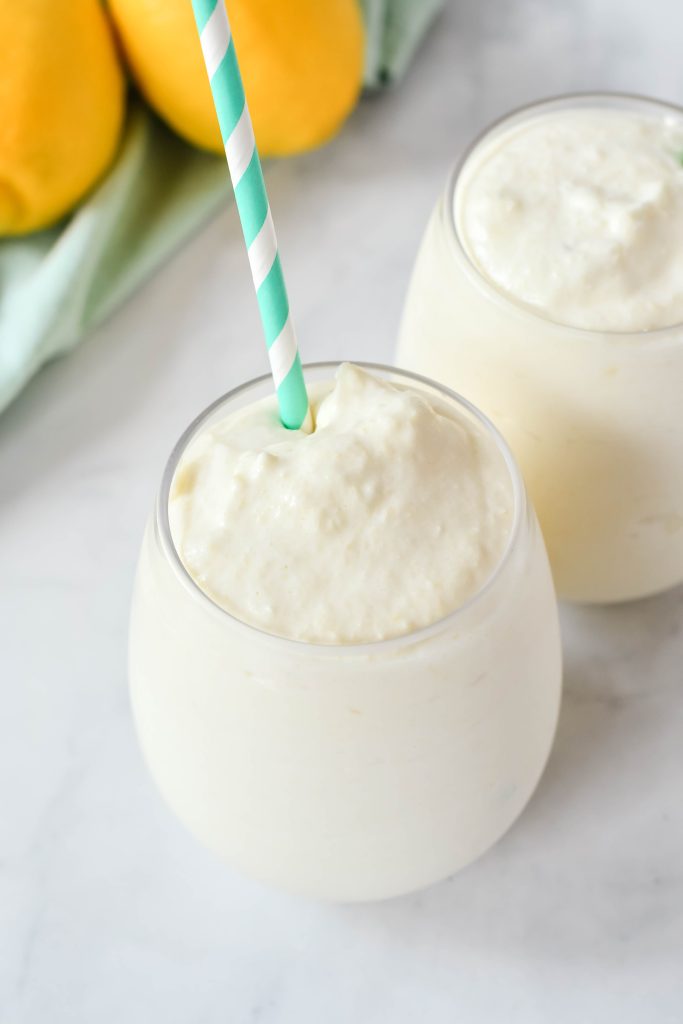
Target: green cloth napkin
pixel 57 284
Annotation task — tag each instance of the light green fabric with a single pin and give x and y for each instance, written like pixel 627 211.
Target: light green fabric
pixel 394 30
pixel 56 285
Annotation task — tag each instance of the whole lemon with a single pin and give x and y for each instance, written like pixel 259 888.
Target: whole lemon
pixel 301 61
pixel 62 95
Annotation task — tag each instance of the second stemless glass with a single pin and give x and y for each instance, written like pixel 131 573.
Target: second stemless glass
pixel 347 772
pixel 593 417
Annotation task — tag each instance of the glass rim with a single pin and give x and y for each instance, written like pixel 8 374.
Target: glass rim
pixel 163 527
pixel 531 110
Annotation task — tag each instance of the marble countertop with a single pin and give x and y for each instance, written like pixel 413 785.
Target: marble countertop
pixel 109 911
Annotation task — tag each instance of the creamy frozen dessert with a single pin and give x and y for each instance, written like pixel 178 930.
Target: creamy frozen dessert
pixel 391 514
pixel 579 213
pixel 344 656
pixel 549 290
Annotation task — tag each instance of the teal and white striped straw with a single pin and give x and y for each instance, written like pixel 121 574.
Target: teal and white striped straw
pixel 254 210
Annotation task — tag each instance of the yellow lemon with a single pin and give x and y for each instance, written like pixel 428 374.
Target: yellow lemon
pixel 301 61
pixel 62 95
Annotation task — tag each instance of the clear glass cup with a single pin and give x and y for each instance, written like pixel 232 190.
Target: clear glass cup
pixel 593 417
pixel 346 772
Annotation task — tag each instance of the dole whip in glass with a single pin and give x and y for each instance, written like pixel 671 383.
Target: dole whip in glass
pixel 549 290
pixel 345 658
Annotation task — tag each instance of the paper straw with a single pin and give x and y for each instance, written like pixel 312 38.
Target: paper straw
pixel 254 210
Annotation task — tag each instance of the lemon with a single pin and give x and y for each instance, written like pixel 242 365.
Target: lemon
pixel 62 102
pixel 301 61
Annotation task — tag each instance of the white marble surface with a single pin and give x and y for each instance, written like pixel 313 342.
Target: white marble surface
pixel 109 912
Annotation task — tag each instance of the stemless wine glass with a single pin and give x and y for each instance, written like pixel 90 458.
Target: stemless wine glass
pixel 593 417
pixel 347 772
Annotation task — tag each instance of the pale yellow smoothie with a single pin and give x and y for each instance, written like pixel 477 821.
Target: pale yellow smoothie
pixel 549 290
pixel 345 658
